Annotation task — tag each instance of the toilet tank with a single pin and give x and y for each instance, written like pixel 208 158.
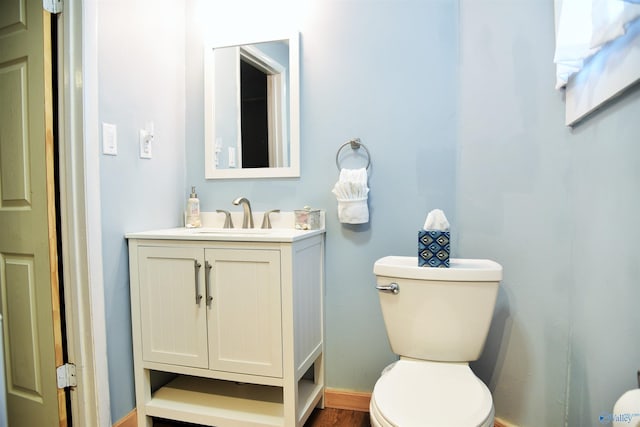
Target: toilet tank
pixel 439 314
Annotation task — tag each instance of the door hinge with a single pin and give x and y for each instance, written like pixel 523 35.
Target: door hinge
pixel 52 6
pixel 66 375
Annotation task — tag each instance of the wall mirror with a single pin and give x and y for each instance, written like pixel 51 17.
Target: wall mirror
pixel 252 125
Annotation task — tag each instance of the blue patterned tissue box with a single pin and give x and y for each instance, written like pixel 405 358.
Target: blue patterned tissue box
pixel 433 248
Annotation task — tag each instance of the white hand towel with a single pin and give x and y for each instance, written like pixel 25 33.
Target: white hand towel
pixel 354 175
pixel 352 193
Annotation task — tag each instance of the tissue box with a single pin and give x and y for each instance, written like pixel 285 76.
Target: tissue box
pixel 307 219
pixel 433 248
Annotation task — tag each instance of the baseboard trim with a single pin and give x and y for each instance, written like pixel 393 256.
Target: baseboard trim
pixel 343 399
pixel 129 420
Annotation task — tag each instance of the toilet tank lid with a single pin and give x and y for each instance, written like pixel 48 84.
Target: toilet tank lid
pixel 460 270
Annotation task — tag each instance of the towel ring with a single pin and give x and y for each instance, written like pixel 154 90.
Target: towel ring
pixel 355 145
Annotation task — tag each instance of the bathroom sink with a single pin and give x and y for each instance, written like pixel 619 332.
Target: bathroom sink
pixel 213 230
pixel 237 231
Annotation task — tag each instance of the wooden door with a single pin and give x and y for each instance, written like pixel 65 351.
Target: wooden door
pixel 245 320
pixel 28 258
pixel 173 318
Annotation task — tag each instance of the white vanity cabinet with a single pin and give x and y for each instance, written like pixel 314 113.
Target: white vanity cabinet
pixel 227 333
pixel 228 298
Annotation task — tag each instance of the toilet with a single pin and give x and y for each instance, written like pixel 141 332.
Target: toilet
pixel 437 321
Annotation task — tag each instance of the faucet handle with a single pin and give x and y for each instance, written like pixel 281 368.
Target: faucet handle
pixel 228 222
pixel 266 222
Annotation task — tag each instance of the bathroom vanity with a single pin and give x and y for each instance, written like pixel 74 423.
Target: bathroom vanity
pixel 227 325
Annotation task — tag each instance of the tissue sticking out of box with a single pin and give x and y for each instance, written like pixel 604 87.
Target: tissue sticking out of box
pixel 436 220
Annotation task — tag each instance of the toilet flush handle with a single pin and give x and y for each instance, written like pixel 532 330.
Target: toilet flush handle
pixel 391 287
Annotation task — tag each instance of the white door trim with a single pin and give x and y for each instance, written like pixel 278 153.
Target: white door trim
pixel 80 213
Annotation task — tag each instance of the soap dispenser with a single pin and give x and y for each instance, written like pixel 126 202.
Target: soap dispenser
pixel 193 210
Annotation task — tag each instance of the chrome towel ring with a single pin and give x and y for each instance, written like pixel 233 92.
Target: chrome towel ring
pixel 355 145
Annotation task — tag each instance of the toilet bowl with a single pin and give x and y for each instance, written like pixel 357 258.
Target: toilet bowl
pixel 424 394
pixel 437 321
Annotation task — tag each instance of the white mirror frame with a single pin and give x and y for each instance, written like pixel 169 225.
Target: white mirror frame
pixel 291 171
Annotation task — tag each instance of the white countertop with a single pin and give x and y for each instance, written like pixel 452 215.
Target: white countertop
pixel 226 235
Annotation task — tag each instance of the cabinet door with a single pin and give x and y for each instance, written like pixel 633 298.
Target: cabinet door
pixel 245 326
pixel 173 316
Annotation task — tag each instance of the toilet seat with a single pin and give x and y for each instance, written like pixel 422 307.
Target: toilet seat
pixel 414 393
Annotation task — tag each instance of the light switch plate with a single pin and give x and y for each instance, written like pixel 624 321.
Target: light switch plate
pixel 146 140
pixel 109 139
pixel 232 157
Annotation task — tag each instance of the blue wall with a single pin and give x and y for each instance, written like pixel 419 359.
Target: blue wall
pixel 558 209
pixel 385 73
pixel 141 79
pixel 455 101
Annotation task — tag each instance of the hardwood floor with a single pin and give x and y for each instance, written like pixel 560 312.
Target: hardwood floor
pixel 338 417
pixel 327 417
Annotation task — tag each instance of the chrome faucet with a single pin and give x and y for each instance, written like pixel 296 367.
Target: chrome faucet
pixel 247 220
pixel 228 222
pixel 266 222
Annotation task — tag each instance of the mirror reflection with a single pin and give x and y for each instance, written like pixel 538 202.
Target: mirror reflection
pixel 251 115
